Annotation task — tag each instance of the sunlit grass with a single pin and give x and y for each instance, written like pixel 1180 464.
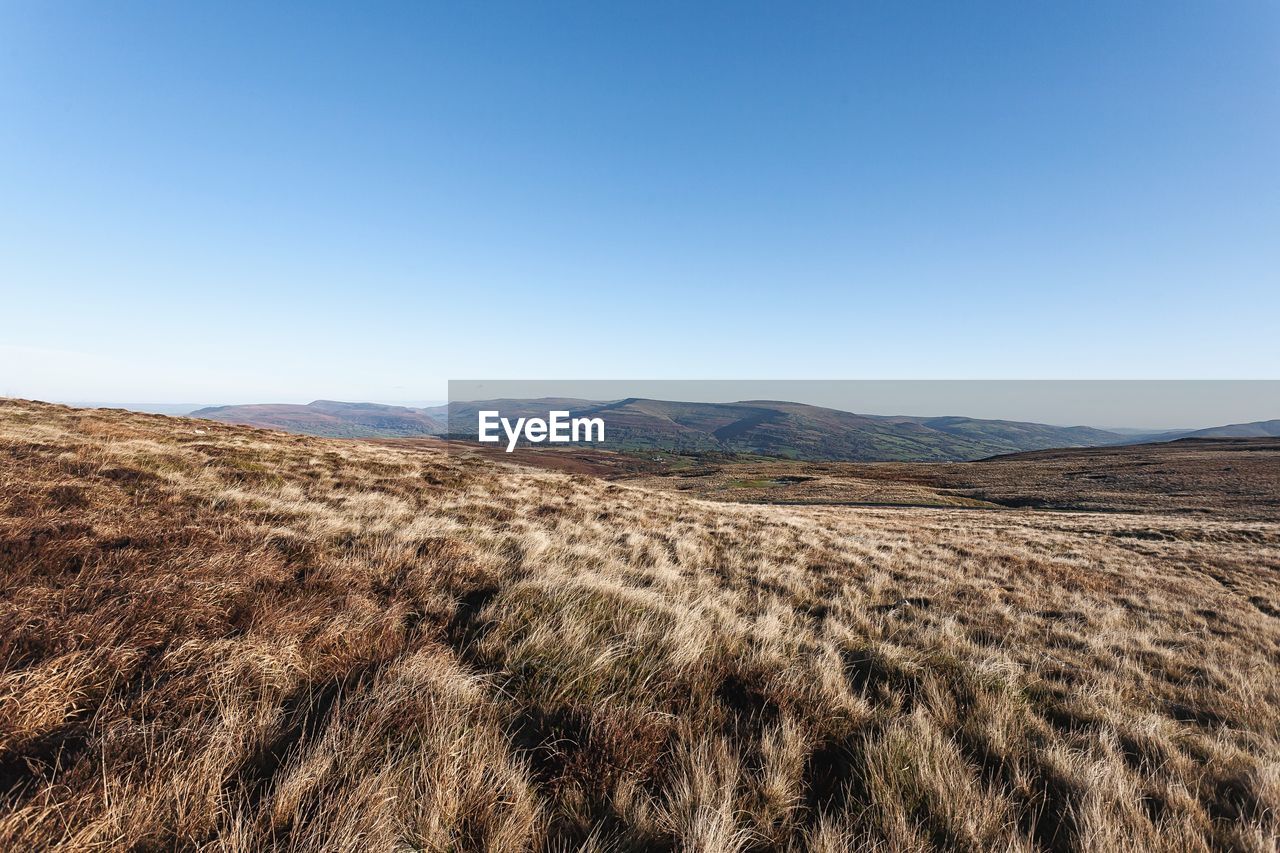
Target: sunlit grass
pixel 213 636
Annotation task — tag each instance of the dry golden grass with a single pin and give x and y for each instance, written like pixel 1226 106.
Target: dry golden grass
pixel 218 637
pixel 1236 478
pixel 776 481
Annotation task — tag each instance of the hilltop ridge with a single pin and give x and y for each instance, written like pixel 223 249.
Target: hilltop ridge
pixel 762 427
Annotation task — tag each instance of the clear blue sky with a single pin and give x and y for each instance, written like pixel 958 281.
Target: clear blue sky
pixel 225 202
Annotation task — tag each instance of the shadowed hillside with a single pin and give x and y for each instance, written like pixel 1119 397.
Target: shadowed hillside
pixel 799 431
pixel 223 638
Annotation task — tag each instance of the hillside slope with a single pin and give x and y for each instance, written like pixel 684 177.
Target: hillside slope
pixel 767 427
pixel 1253 429
pixel 1256 429
pixel 800 431
pixel 1216 478
pixel 1237 478
pixel 217 637
pixel 331 418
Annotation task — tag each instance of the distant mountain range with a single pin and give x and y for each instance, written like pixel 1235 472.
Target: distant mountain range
pixel 333 419
pixel 762 427
pixel 799 431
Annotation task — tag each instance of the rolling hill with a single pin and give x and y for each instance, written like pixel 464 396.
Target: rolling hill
pixel 756 427
pixel 1255 429
pixel 331 418
pixel 799 431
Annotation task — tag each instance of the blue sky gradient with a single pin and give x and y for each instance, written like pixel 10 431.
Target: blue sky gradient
pixel 238 202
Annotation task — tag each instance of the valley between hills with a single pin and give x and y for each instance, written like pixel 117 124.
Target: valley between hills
pixel 758 427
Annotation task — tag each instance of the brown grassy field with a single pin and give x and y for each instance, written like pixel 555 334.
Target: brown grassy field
pixel 1238 478
pixel 217 637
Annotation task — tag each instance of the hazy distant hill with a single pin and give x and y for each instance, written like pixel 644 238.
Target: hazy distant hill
pixel 175 409
pixel 1256 429
pixel 331 418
